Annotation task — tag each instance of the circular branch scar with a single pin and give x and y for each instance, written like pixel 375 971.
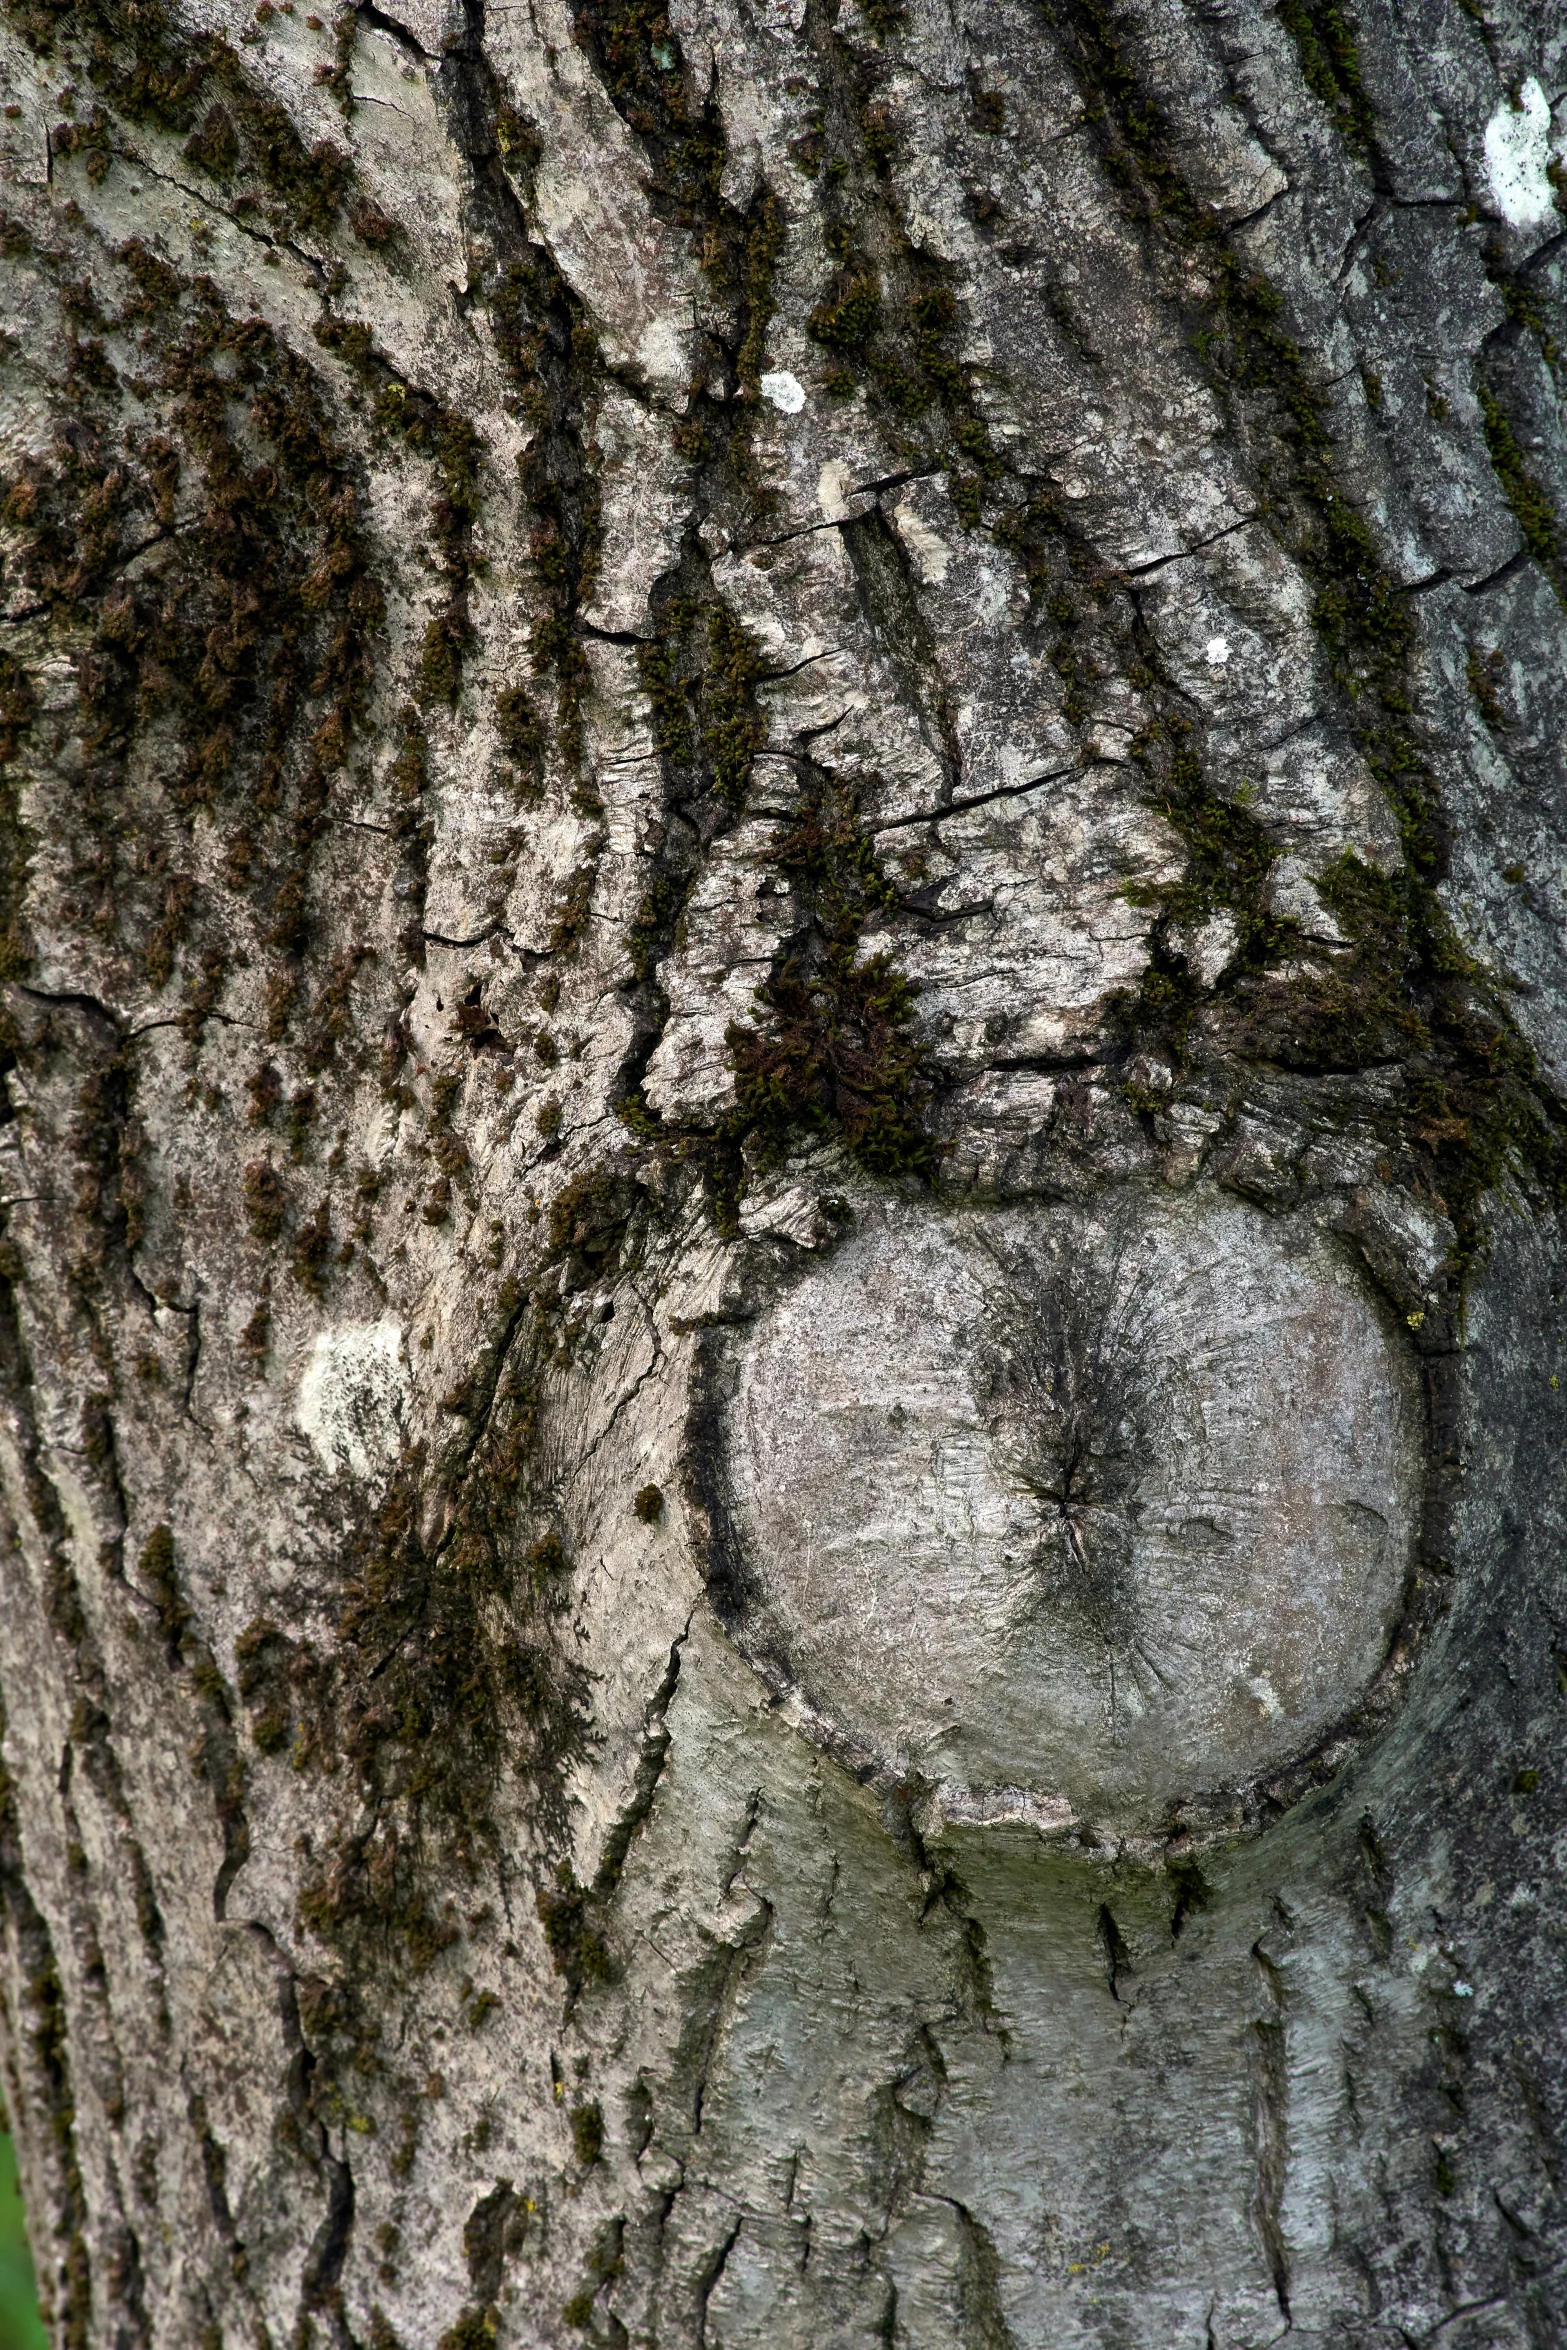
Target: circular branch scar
pixel 1109 1509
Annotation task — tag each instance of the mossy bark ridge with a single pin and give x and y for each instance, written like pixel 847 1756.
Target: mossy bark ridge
pixel 782 913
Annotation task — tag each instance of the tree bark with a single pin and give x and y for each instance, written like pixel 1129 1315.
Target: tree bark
pixel 783 928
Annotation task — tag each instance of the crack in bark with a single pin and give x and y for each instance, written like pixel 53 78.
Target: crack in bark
pixel 656 1740
pixel 48 2155
pixel 979 2282
pixel 1270 2122
pixel 890 606
pixel 707 2282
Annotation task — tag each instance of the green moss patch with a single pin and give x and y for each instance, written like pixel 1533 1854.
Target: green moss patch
pixel 1474 1109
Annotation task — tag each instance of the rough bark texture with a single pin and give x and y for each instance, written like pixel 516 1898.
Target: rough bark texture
pixel 784 893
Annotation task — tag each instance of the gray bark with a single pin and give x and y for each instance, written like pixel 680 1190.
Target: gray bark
pixel 784 891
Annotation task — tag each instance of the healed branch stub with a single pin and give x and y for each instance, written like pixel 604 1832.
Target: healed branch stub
pixel 780 1312
pixel 1089 1519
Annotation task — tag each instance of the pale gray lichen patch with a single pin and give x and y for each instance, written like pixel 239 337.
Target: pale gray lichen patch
pixel 353 1395
pixel 783 391
pixel 1518 156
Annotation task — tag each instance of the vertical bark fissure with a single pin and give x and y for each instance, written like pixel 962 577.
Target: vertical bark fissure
pixel 46 2123
pixel 1270 2123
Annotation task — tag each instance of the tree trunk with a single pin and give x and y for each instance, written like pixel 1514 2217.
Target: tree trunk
pixel 783 937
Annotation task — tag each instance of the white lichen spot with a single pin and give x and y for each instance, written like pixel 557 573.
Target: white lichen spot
pixel 1216 651
pixel 928 550
pixel 784 391
pixel 352 1396
pixel 1517 158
